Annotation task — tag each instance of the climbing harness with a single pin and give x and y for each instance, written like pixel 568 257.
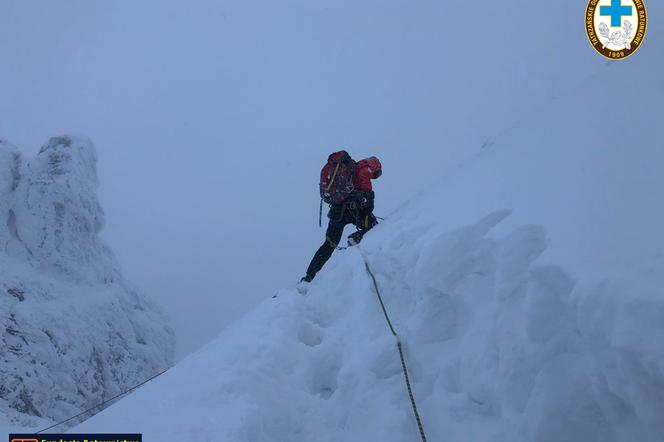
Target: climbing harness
pixel 399 347
pixel 103 403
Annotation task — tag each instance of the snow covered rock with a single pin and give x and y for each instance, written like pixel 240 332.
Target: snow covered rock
pixel 9 177
pixel 73 332
pixel 58 216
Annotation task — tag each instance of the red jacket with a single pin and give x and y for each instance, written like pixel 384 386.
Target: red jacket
pixel 366 170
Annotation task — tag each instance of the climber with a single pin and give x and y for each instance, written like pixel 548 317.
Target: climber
pixel 346 186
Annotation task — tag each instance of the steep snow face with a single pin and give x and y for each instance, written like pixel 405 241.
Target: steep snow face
pixel 537 323
pixel 73 331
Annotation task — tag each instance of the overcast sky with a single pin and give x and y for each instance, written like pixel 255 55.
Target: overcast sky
pixel 212 119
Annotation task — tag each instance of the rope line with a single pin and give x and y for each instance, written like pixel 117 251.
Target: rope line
pixel 380 298
pixel 105 402
pixel 400 348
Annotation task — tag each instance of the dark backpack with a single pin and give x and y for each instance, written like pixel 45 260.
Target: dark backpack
pixel 336 178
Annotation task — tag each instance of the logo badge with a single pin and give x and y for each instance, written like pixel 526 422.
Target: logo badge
pixel 616 28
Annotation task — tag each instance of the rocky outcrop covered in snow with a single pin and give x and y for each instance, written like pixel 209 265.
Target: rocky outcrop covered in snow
pixel 73 331
pixel 55 218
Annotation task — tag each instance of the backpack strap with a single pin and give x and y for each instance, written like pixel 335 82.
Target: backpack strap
pixel 334 175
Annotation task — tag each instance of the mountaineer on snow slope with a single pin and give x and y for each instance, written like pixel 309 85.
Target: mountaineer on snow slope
pixel 346 186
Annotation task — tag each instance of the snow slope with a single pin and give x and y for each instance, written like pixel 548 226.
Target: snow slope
pixel 73 331
pixel 526 288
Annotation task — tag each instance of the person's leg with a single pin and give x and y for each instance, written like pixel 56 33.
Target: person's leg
pixel 335 229
pixel 365 222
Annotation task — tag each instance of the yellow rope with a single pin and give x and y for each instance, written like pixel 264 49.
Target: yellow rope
pixel 400 348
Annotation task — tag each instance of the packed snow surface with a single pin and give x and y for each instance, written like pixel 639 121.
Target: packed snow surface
pixel 499 349
pixel 74 333
pixel 526 289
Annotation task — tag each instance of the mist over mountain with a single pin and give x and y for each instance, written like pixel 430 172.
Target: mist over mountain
pixel 520 256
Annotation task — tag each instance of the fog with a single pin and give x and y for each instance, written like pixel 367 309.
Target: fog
pixel 212 119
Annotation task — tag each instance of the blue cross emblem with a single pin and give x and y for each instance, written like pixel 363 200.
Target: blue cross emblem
pixel 616 11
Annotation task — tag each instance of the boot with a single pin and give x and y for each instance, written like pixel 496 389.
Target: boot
pixel 307 278
pixel 303 285
pixel 355 238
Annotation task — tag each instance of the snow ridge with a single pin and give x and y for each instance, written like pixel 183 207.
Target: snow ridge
pixel 499 349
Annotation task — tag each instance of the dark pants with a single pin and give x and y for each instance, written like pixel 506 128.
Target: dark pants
pixel 340 216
